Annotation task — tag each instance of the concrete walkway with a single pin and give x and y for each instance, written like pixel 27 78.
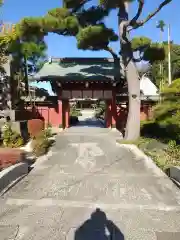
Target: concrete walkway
pixel 89 188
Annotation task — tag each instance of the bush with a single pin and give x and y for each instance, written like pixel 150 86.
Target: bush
pixel 41 144
pixel 166 124
pixel 35 127
pixel 48 132
pixel 100 113
pixel 164 131
pixel 75 112
pixel 11 138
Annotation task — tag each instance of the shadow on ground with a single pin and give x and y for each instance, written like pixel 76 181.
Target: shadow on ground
pixel 88 122
pixel 98 227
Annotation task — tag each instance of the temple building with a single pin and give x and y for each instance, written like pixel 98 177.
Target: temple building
pixel 85 81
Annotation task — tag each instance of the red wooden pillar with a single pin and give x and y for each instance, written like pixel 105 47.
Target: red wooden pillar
pixel 113 110
pixel 66 113
pixel 60 114
pixel 108 114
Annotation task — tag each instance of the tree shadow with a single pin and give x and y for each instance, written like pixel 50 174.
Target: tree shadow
pixel 98 227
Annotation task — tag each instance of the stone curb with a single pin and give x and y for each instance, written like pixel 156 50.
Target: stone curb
pixel 147 160
pixel 11 175
pixel 174 174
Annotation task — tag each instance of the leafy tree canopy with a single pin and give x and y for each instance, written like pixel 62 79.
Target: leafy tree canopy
pixel 175 64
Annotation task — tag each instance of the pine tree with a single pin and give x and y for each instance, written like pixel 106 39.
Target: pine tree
pixel 86 24
pixel 125 26
pixel 25 53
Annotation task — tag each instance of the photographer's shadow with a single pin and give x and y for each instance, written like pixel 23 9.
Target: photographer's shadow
pixel 98 227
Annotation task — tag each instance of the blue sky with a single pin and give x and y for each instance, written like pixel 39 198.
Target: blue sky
pixel 59 46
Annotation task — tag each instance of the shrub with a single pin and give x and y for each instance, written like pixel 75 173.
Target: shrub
pixel 75 112
pixel 41 144
pixel 166 123
pixel 164 131
pixel 11 138
pixel 100 113
pixel 48 132
pixel 35 127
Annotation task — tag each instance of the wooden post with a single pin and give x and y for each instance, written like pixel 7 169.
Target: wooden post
pixel 113 110
pixel 108 114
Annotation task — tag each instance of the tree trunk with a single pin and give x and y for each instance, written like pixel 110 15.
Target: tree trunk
pixel 132 131
pixel 26 76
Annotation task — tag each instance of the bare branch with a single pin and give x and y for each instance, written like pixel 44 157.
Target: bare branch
pixel 157 10
pixel 138 14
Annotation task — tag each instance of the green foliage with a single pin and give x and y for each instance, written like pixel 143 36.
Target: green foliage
pixel 161 24
pixel 150 51
pixel 142 42
pixel 95 37
pixel 59 13
pixel 100 111
pixel 175 64
pixel 166 124
pixel 10 138
pixel 92 16
pixel 41 145
pixel 75 112
pixel 48 132
pixel 76 19
pixel 154 53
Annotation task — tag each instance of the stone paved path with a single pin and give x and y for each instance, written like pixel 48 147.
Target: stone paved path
pixel 88 188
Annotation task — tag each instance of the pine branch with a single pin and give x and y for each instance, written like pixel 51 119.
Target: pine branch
pixel 79 6
pixel 110 50
pixel 151 15
pixel 138 14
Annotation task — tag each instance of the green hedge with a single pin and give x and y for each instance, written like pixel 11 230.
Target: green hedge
pixel 166 124
pixel 162 131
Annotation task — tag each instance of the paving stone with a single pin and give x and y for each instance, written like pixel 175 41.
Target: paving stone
pixel 8 232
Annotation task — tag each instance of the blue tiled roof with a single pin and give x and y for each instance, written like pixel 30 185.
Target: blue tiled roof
pixel 77 71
